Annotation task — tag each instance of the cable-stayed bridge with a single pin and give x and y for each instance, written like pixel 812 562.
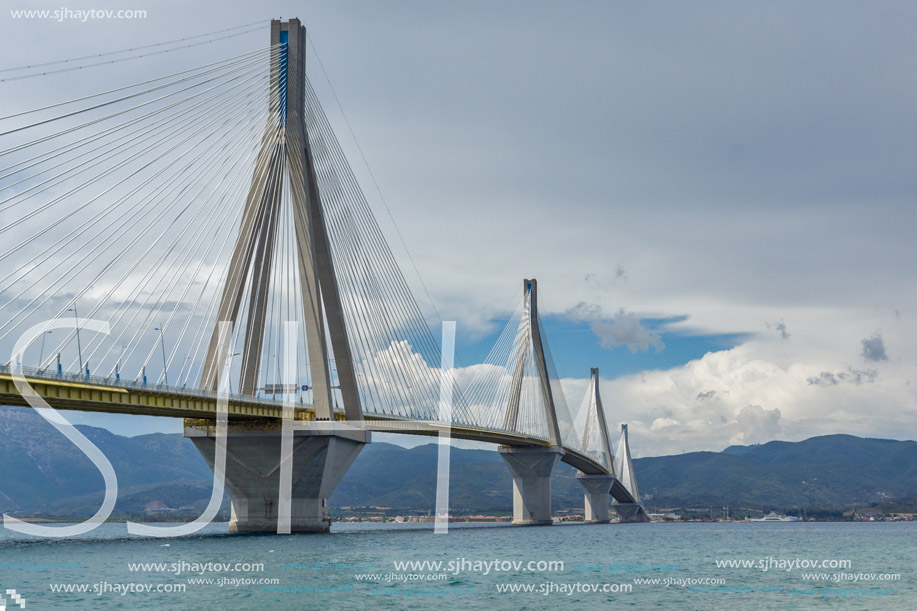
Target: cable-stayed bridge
pixel 196 245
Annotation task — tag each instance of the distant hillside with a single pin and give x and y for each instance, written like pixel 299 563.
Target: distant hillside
pixel 833 470
pixel 387 475
pixel 41 468
pixel 43 473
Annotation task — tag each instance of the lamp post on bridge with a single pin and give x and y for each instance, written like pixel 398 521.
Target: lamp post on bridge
pixel 79 348
pixel 162 342
pixel 41 355
pixel 182 372
pixel 274 386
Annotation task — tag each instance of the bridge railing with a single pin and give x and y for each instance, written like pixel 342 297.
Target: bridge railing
pixel 126 384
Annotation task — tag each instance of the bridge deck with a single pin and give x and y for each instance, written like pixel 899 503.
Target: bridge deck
pixel 91 394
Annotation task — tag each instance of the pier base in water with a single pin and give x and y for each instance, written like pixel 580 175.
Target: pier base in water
pixel 596 497
pixel 631 512
pixel 531 469
pixel 320 460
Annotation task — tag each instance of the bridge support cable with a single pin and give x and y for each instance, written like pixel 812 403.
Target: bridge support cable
pixel 214 82
pixel 69 64
pixel 591 426
pixel 60 151
pixel 569 435
pixel 488 391
pixel 395 350
pixel 177 122
pixel 122 209
pixel 518 384
pixel 164 211
pixel 191 77
pixel 166 285
pixel 223 97
pixel 391 380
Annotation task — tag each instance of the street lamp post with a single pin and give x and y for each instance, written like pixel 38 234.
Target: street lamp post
pixel 41 355
pixel 274 386
pixel 78 346
pixel 162 342
pixel 182 372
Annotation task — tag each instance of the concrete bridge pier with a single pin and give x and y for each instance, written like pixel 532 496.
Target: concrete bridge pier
pixel 320 460
pixel 631 512
pixel 531 469
pixel 597 500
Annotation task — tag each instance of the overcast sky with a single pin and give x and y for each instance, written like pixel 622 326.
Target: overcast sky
pixel 672 173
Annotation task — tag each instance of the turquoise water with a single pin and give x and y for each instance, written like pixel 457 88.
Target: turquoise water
pixel 354 568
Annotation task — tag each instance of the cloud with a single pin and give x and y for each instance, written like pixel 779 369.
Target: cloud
pixel 874 348
pixel 625 329
pixel 825 378
pixel 620 274
pixel 585 312
pixel 852 376
pixel 780 327
pixel 758 424
pixel 605 281
pixel 761 393
pixel 661 423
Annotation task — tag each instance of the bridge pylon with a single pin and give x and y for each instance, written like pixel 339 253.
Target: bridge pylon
pixel 285 171
pixel 531 468
pixel 285 155
pixel 596 486
pixel 627 495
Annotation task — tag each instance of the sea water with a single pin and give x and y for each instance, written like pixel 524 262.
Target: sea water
pixel 490 567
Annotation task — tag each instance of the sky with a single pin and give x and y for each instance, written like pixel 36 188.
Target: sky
pixel 717 199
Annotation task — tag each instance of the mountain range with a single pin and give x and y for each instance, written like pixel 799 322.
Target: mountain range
pixel 43 474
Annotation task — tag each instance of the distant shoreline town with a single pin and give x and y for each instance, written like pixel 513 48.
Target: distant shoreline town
pixel 383 515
